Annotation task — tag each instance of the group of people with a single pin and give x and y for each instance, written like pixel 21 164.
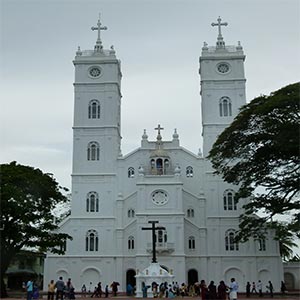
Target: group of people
pixel 258 288
pixel 251 288
pixel 211 291
pixel 219 292
pixel 63 290
pixel 66 290
pixel 98 291
pixel 31 288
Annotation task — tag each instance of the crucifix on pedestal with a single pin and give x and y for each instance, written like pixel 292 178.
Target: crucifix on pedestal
pixel 153 228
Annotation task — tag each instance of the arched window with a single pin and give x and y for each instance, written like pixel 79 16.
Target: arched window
pixel 225 107
pixel 93 151
pixel 92 202
pixel 131 243
pixel 63 246
pixel 192 244
pixel 230 243
pixel 131 213
pixel 160 166
pixel 161 237
pixel 262 244
pixel 91 240
pixel 190 213
pixel 130 172
pixel 189 171
pixel 230 203
pixel 94 109
pixel 166 164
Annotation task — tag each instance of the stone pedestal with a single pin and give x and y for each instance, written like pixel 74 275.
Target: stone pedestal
pixel 153 273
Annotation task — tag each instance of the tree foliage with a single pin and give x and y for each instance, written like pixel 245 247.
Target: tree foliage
pixel 259 152
pixel 285 238
pixel 28 197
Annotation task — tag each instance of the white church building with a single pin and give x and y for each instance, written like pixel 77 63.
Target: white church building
pixel 115 195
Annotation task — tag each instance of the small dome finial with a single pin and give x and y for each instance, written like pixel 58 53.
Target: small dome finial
pixel 200 152
pixel 145 136
pixel 78 52
pixel 175 134
pixel 205 46
pixel 239 46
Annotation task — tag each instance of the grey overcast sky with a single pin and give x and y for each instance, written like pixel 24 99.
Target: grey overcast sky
pixel 158 42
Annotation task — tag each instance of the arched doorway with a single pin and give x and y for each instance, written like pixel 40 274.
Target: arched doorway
pixel 192 276
pixel 90 276
pixel 235 273
pixel 130 279
pixel 289 280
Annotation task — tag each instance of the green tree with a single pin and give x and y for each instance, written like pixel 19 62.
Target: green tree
pixel 28 197
pixel 285 238
pixel 259 152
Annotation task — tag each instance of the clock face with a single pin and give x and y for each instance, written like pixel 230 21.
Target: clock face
pixel 159 197
pixel 95 72
pixel 223 68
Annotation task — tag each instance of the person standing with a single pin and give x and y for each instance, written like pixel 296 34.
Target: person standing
pixel 253 288
pixel 212 290
pixel 233 289
pixel 36 294
pixel 106 291
pixel 248 287
pixel 69 287
pixel 129 290
pixel 90 287
pixel 144 289
pixel 271 289
pixel 222 290
pixel 29 288
pixel 99 289
pixel 203 289
pixel 114 287
pixel 283 287
pixel 259 286
pixel 51 290
pixel 60 285
pixel 83 290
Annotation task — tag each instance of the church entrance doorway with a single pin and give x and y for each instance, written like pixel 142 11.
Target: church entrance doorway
pixel 192 276
pixel 130 279
pixel 289 280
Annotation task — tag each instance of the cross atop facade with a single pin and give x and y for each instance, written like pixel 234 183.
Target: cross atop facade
pixel 219 24
pixel 158 128
pixel 153 228
pixel 99 28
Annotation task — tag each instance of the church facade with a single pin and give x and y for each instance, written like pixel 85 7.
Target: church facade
pixel 114 196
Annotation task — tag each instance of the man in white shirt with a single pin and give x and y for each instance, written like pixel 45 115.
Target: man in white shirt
pixel 233 289
pixel 259 287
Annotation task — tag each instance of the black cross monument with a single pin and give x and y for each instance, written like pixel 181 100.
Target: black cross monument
pixel 153 228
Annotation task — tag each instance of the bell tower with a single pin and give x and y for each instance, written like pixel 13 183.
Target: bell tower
pixel 97 101
pixel 222 86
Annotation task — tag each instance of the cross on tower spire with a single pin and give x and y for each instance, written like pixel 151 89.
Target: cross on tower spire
pixel 98 46
pixel 220 42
